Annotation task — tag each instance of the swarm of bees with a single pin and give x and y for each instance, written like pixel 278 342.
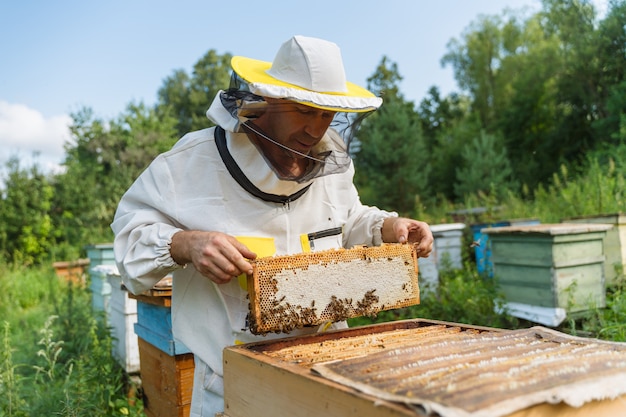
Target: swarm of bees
pixel 287 317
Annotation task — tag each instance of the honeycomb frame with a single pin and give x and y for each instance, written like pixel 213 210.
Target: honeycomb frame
pixel 309 289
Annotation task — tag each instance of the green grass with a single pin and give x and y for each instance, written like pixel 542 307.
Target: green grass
pixel 56 357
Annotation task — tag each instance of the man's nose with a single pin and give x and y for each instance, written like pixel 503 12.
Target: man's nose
pixel 316 127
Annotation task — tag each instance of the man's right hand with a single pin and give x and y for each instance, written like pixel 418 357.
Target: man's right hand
pixel 217 256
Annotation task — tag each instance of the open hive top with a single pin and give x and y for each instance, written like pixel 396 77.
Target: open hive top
pixel 294 291
pixel 456 371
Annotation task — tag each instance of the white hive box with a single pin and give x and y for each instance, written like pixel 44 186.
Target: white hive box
pixel 123 316
pixel 446 252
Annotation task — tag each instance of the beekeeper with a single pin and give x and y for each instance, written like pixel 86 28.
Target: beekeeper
pixel 273 177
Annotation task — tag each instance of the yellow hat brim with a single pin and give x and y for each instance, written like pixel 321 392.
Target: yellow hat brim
pixel 254 72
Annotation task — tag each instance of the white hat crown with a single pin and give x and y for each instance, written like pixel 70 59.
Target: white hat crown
pixel 310 63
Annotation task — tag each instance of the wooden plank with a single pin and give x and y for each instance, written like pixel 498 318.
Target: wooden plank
pixel 159 300
pixel 526 251
pixel 167 381
pixel 614 242
pixel 296 393
pixel 586 251
pixel 530 275
pixel 580 288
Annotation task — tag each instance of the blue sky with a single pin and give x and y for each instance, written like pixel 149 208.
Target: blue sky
pixel 58 56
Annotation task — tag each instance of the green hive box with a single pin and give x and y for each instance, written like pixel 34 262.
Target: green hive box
pixel 550 265
pixel 614 243
pixel 100 254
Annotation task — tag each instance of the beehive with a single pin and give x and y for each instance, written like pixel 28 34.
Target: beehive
pixel 446 253
pixel 166 366
pixel 122 317
pixel 551 265
pixel 421 367
pixel 289 292
pixel 614 243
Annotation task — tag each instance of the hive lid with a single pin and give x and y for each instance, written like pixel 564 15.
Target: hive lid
pixel 471 374
pixel 550 229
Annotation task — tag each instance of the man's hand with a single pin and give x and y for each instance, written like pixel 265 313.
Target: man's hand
pixel 217 256
pixel 401 230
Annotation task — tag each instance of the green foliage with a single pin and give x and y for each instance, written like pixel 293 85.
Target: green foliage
pixel 26 230
pixel 11 404
pixel 445 129
pixel 485 167
pixel 189 97
pixel 599 189
pixel 102 162
pixel 56 357
pixel 547 83
pixel 392 160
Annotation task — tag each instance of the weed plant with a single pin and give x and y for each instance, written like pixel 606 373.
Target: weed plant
pixel 56 354
pixel 607 323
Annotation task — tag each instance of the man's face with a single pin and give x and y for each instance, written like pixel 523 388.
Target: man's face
pixel 293 125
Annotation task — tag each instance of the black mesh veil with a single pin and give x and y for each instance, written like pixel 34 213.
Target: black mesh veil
pixel 329 156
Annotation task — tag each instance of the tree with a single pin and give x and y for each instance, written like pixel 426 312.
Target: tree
pixel 546 84
pixel 392 163
pixel 102 161
pixel 479 62
pixel 189 97
pixel 444 123
pixel 611 50
pixel 485 168
pixel 26 233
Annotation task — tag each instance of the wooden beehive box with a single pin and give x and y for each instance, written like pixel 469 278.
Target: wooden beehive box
pixel 413 367
pixel 166 366
pixel 550 265
pixel 446 252
pixel 100 254
pixel 72 271
pixel 614 242
pixel 167 381
pixel 154 318
pixel 122 319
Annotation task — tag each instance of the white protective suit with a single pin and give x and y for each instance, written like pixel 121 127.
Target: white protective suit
pixel 190 188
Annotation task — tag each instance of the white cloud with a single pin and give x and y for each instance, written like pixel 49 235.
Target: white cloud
pixel 602 7
pixel 33 138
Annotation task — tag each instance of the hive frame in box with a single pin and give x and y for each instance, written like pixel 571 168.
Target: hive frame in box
pixel 264 379
pixel 309 289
